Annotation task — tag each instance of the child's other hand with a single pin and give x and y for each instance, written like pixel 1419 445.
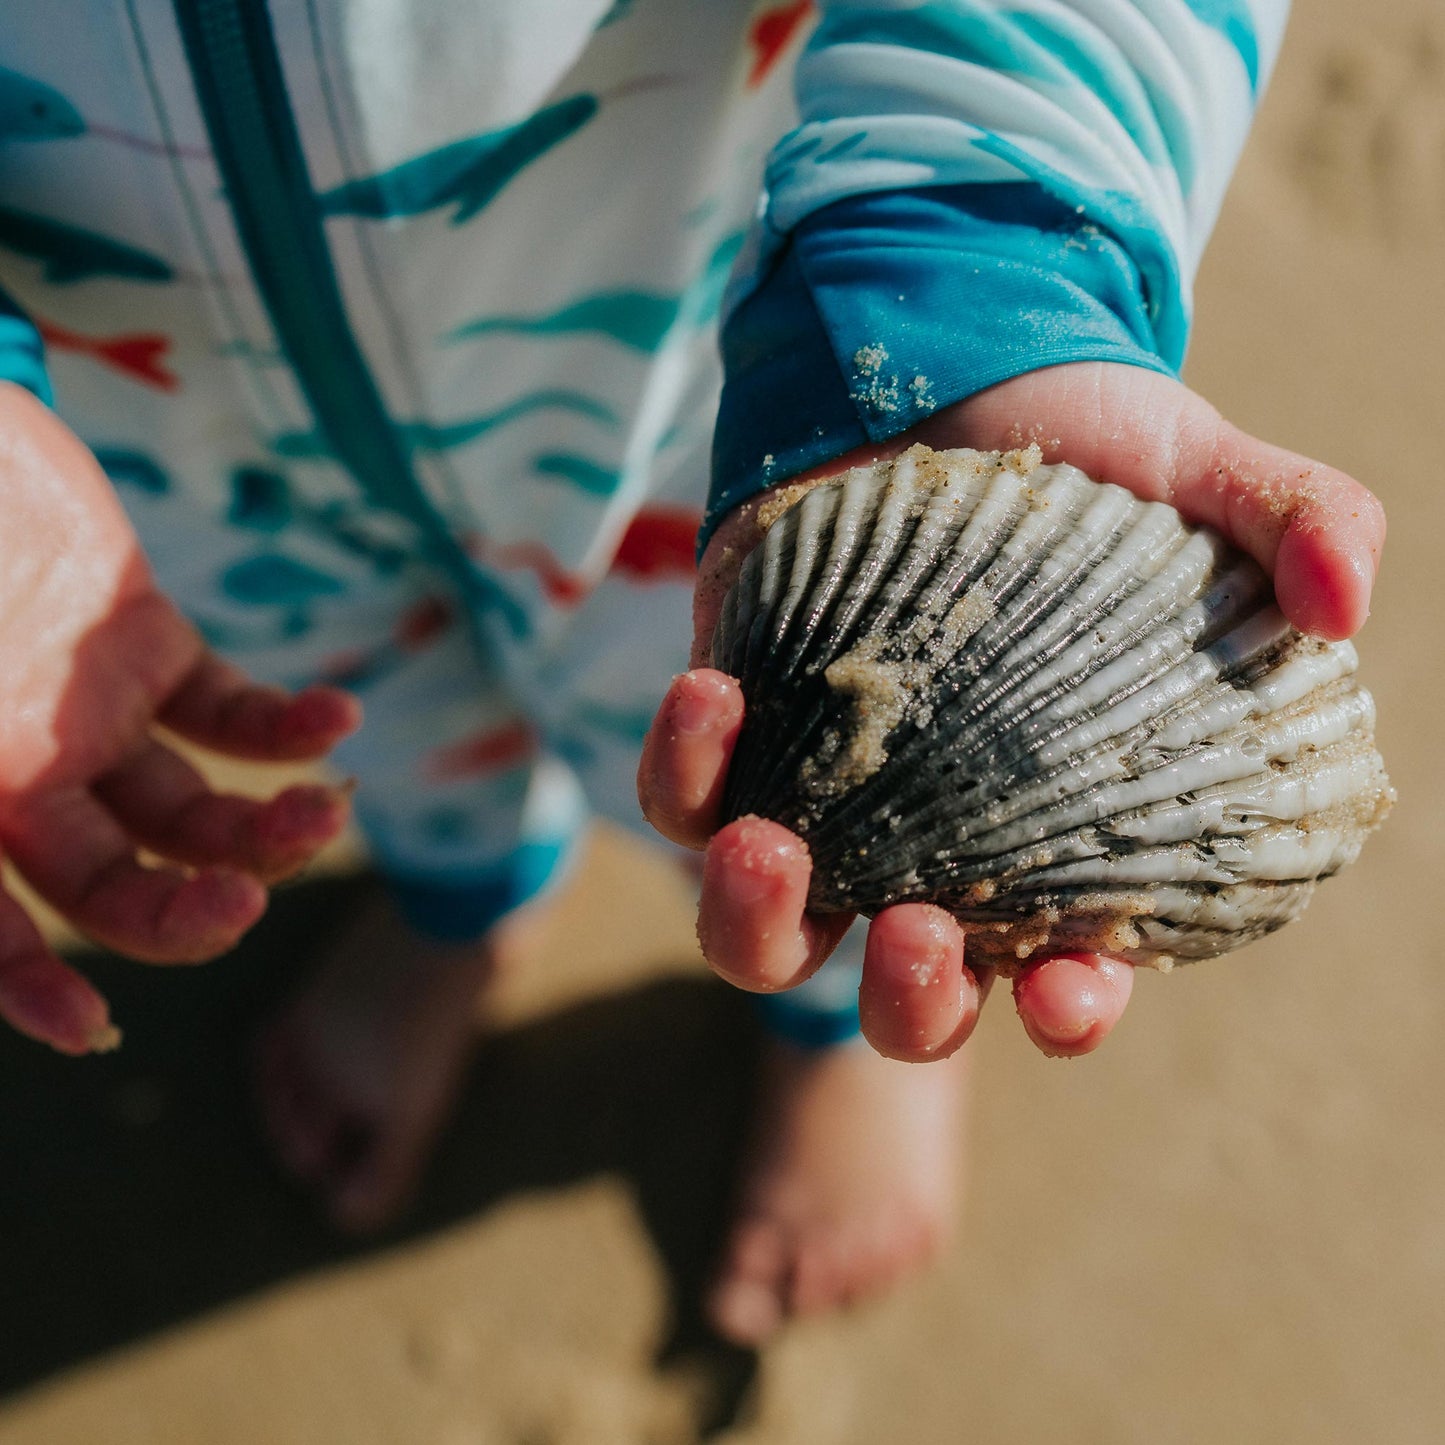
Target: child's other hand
pixel 92 660
pixel 1317 531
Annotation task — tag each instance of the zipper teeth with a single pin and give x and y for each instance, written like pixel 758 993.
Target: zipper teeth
pixel 243 98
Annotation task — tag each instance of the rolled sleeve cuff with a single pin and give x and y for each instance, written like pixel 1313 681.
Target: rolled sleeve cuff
pixel 887 307
pixel 22 353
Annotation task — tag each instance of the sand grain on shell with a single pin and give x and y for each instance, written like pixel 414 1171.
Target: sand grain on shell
pixel 883 693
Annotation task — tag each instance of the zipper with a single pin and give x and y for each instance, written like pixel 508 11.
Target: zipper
pixel 242 92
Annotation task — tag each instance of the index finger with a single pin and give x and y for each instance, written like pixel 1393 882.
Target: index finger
pixel 686 753
pixel 221 708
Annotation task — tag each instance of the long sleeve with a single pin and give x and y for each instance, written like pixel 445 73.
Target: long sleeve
pixel 978 188
pixel 22 354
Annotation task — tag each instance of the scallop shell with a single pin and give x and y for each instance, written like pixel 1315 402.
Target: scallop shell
pixel 1057 711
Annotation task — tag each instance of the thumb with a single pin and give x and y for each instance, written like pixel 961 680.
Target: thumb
pixel 1317 531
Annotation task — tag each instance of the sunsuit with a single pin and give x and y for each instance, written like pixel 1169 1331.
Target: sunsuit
pixel 396 324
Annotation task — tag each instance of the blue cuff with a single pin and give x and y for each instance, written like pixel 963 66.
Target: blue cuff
pixel 887 306
pixel 463 909
pixel 803 1025
pixel 22 353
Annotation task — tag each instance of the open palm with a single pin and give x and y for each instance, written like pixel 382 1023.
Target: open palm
pixel 93 659
pixel 1318 532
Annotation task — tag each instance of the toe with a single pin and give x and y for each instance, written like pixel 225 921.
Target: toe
pixel 878 1264
pixel 293 1111
pixel 745 1304
pixel 821 1276
pixel 375 1175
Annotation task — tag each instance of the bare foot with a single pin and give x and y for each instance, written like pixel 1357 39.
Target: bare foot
pixel 358 1074
pixel 849 1184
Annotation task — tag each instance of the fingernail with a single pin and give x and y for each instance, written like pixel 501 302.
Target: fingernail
pixel 746 886
pixel 213 907
pixel 748 1312
pixel 925 960
pixel 315 711
pixel 292 817
pixel 1058 1032
pixel 919 968
pixel 103 1039
pixel 695 709
pixel 1047 1018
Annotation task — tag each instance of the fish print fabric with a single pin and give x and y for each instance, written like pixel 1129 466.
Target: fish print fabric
pixel 396 322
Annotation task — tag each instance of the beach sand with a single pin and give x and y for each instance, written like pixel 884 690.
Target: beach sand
pixel 1224 1227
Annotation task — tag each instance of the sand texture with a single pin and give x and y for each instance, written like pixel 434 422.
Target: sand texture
pixel 1225 1227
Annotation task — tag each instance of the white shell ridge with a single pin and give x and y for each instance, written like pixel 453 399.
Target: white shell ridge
pixel 1052 708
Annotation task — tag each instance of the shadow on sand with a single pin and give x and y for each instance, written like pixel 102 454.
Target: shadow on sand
pixel 138 1194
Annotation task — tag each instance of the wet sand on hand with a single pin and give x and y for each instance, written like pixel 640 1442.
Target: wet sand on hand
pixel 1224 1227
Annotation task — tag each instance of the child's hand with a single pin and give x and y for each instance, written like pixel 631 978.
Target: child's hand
pixel 1316 530
pixel 92 659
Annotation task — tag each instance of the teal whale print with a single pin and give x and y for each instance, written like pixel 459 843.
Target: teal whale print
pixel 618 12
pixel 467 173
pixel 263 501
pixel 586 476
pixel 271 579
pixel 133 469
pixel 636 319
pixel 72 254
pixel 32 110
pixel 443 436
pixel 260 500
pixel 639 320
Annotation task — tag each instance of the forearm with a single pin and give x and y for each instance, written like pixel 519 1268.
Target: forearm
pixel 976 192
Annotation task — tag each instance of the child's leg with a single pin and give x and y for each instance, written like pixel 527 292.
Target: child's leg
pixel 848 1175
pixel 358 1072
pixel 851 1167
pixel 469 825
pixel 823 1012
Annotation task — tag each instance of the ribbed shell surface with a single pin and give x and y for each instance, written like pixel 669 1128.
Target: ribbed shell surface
pixel 1051 708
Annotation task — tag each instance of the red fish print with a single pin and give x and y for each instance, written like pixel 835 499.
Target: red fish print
pixel 352 668
pixel 489 751
pixel 564 588
pixel 770 34
pixel 656 547
pixel 421 623
pixel 417 628
pixel 139 356
pixel 659 544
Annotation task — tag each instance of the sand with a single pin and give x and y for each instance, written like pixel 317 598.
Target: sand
pixel 1225 1227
